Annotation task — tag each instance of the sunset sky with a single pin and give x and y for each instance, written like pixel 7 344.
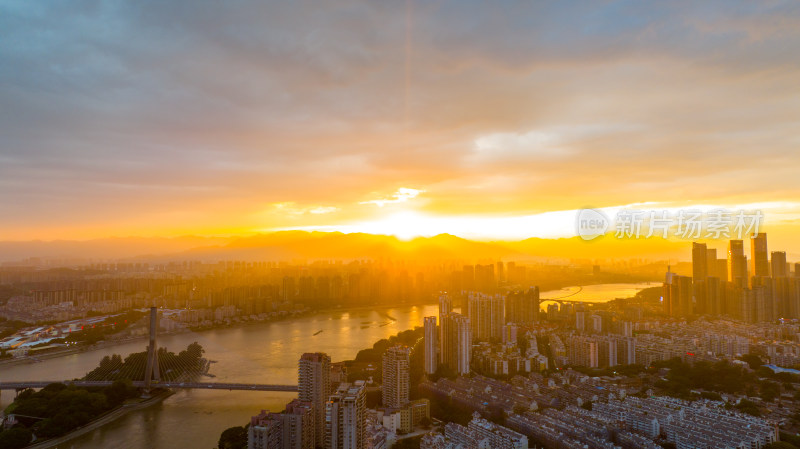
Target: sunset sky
pixel 486 120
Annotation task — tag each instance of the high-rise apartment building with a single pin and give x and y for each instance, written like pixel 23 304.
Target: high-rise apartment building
pixel 597 323
pixel 265 431
pixel 463 344
pixel 396 376
pixel 582 351
pixel 779 267
pixel 456 342
pixel 487 315
pixel 293 429
pixel 759 256
pixel 699 261
pixel 501 273
pixel 737 263
pixel 717 268
pixel 626 351
pixel 298 425
pixel 677 296
pixel 580 319
pixel 346 416
pixel 314 386
pixel 447 340
pixel 522 307
pixel 485 278
pixel 510 334
pixel 445 304
pixel 431 344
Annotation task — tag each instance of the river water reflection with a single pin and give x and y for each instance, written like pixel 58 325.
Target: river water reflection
pixel 262 353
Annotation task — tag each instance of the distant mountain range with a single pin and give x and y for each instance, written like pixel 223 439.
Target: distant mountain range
pixel 293 245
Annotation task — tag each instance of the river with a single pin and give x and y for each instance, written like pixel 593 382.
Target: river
pixel 260 353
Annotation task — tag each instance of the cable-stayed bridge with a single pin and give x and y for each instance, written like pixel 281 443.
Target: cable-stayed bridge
pixel 147 373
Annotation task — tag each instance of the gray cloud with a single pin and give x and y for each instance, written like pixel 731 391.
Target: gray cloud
pixel 112 108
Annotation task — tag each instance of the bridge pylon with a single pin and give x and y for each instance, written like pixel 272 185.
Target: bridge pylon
pixel 151 371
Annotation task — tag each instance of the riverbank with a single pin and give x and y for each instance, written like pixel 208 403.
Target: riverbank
pixel 242 324
pixel 101 421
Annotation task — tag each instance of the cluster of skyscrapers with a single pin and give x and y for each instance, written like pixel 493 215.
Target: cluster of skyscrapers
pixel 487 317
pixel 319 417
pixel 335 417
pixel 762 290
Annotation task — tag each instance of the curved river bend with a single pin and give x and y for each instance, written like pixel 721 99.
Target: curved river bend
pixel 261 353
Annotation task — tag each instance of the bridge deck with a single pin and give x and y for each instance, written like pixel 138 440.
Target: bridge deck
pixel 177 385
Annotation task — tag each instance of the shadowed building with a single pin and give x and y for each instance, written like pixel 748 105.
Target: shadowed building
pixel 314 386
pixel 523 307
pixel 779 266
pixel 737 263
pixel 699 261
pixel 759 256
pixel 677 296
pixel 346 417
pixel 431 345
pixel 396 376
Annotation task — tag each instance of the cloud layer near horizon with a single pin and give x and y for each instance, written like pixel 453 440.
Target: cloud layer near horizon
pixel 147 117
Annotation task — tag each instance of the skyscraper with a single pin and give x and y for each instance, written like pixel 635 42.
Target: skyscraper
pixel 710 302
pixel 445 304
pixel 699 262
pixel 582 351
pixel 346 416
pixel 758 254
pixel 487 315
pixel 523 307
pixel 431 345
pixel 677 296
pixel 779 267
pixel 501 274
pixel 298 425
pixel 455 341
pixel 737 263
pixel 396 376
pixel 463 344
pixel 717 268
pixel 580 318
pixel 314 386
pixel 447 340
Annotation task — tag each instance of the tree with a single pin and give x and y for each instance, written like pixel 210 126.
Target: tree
pixel 407 443
pixel 791 439
pixel 749 407
pixel 780 445
pixel 768 391
pixel 752 360
pixel 119 391
pixel 15 438
pixel 233 438
pixel 520 409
